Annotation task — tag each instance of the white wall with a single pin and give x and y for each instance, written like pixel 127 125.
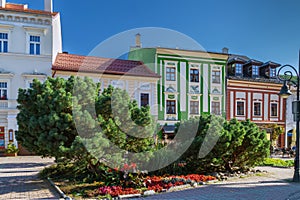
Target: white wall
pixel 18 63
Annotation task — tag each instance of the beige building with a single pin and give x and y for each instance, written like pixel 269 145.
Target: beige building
pixel 132 76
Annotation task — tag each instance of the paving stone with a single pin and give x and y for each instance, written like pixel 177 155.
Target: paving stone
pixel 19 180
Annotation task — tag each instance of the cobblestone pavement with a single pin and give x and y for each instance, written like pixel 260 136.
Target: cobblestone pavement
pixel 275 185
pixel 18 178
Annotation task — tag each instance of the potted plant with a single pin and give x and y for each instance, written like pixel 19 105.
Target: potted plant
pixel 11 150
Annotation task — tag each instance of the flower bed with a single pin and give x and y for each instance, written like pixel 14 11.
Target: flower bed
pixel 115 191
pixel 159 183
pixel 155 183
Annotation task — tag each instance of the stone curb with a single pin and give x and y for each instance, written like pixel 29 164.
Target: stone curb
pixel 61 193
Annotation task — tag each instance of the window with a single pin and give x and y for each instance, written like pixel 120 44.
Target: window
pixel 170 74
pixel 3 90
pixel 3 42
pixel 144 99
pixel 194 107
pixel 274 110
pixel 215 108
pixel 194 75
pixel 216 76
pixel 255 70
pixel 11 135
pixel 171 107
pixel 257 109
pixel 272 72
pixel 238 69
pixel 34 45
pixel 31 85
pixel 240 108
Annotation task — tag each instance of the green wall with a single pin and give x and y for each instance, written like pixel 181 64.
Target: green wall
pixel 148 56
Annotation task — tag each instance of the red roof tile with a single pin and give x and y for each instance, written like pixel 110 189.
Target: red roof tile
pixel 21 8
pixel 91 64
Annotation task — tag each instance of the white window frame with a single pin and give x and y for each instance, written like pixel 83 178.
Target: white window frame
pixel 194 68
pixel 260 108
pixel 168 67
pixel 171 64
pixel 35 43
pixel 276 109
pixel 212 80
pixel 4 40
pixel 149 97
pixel 2 89
pixel 175 107
pixel 220 111
pixel 35 31
pixel 190 110
pixel 7 29
pixel 236 108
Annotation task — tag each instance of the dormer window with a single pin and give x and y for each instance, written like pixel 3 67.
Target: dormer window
pixel 273 72
pixel 268 69
pixel 238 69
pixel 251 68
pixel 255 70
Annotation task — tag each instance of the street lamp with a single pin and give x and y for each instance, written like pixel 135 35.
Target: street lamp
pixel 285 93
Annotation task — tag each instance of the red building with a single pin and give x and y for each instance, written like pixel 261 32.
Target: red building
pixel 252 93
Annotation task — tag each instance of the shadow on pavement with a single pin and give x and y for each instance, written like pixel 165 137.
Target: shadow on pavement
pixel 23 165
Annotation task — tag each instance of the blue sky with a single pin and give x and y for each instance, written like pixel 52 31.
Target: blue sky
pixel 261 29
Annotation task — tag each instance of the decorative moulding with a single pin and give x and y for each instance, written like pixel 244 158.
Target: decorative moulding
pixel 35 29
pixel 6 26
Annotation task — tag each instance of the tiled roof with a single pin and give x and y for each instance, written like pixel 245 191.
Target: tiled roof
pixel 252 61
pixel 91 64
pixel 22 8
pixel 236 59
pixel 272 64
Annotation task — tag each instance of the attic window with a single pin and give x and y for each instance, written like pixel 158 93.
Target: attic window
pixel 255 70
pixel 272 72
pixel 238 69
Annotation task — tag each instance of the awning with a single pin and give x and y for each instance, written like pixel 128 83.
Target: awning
pixel 169 129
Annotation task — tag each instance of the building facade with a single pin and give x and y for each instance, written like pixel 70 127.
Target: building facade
pixel 192 83
pixel 132 76
pixel 290 132
pixel 252 93
pixel 29 42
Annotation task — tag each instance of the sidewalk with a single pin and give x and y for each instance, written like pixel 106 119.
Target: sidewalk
pixel 18 178
pixel 274 185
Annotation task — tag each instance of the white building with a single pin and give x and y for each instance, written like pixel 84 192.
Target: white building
pixel 290 130
pixel 29 42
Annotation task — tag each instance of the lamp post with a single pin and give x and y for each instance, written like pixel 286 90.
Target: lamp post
pixel 285 93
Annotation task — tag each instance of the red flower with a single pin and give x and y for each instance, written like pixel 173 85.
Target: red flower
pixel 126 167
pixel 133 165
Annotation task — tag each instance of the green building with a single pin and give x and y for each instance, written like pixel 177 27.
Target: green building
pixel 192 82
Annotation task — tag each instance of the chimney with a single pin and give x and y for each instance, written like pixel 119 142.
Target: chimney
pixel 2 3
pixel 225 50
pixel 138 40
pixel 47 5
